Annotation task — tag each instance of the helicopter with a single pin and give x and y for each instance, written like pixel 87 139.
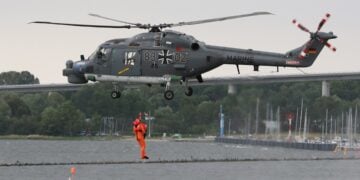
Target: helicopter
pixel 165 56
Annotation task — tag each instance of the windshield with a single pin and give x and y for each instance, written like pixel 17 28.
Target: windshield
pixel 93 55
pixel 101 53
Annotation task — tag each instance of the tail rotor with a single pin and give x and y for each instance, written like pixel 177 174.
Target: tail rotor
pixel 320 36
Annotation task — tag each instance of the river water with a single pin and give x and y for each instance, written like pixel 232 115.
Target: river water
pixel 44 151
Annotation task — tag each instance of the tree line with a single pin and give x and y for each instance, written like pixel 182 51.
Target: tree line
pixel 70 113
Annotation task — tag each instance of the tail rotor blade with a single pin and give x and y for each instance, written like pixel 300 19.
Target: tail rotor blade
pixel 300 26
pixel 330 46
pixel 323 21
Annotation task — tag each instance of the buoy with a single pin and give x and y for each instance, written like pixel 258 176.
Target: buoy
pixel 73 171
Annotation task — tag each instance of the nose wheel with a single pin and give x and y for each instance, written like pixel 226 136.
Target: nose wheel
pixel 169 94
pixel 115 94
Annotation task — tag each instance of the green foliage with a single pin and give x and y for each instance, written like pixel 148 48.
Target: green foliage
pixel 346 90
pixel 63 120
pixel 23 125
pixel 36 102
pixel 55 99
pixel 12 77
pixel 166 120
pixel 17 106
pixel 5 114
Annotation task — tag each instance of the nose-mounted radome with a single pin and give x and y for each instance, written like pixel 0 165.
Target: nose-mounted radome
pixel 75 71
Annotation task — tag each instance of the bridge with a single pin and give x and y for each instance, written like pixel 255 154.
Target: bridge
pixel 41 87
pixel 323 77
pixel 230 81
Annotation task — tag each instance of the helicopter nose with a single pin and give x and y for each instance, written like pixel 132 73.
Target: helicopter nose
pixel 79 67
pixel 75 71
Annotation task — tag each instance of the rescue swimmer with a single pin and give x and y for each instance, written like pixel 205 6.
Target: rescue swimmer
pixel 139 129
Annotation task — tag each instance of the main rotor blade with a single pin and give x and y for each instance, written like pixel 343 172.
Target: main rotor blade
pixel 115 20
pixel 83 25
pixel 216 19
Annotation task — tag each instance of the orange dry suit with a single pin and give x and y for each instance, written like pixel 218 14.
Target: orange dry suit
pixel 139 129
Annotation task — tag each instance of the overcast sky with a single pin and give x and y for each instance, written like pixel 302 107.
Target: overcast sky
pixel 44 49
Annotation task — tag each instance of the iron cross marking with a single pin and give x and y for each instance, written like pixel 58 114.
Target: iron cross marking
pixel 165 57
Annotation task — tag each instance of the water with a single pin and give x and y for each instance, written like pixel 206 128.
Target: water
pixel 38 151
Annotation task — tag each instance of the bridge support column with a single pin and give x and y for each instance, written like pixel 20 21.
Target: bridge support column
pixel 325 91
pixel 231 89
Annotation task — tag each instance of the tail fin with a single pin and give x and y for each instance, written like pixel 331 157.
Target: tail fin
pixel 307 53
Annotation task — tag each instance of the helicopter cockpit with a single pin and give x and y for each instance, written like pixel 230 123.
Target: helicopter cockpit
pixel 100 55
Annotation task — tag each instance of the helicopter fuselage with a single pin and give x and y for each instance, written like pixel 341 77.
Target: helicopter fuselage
pixel 152 54
pixel 167 56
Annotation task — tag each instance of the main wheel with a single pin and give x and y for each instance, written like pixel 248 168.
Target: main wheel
pixel 189 91
pixel 169 94
pixel 115 94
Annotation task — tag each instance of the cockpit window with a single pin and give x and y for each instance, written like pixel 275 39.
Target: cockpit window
pixel 104 54
pixel 130 58
pixel 101 55
pixel 93 55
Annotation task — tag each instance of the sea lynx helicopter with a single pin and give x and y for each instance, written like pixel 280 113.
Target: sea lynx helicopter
pixel 164 56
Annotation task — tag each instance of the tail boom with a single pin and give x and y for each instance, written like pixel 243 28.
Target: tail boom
pixel 303 56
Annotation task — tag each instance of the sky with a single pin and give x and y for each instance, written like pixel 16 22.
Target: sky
pixel 44 49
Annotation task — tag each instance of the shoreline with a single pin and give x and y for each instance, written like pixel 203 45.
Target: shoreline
pixel 101 138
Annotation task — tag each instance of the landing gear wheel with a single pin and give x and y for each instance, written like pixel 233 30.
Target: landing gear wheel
pixel 189 91
pixel 169 94
pixel 115 94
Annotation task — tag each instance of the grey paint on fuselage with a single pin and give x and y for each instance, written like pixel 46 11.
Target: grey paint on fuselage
pixel 170 52
pixel 157 53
